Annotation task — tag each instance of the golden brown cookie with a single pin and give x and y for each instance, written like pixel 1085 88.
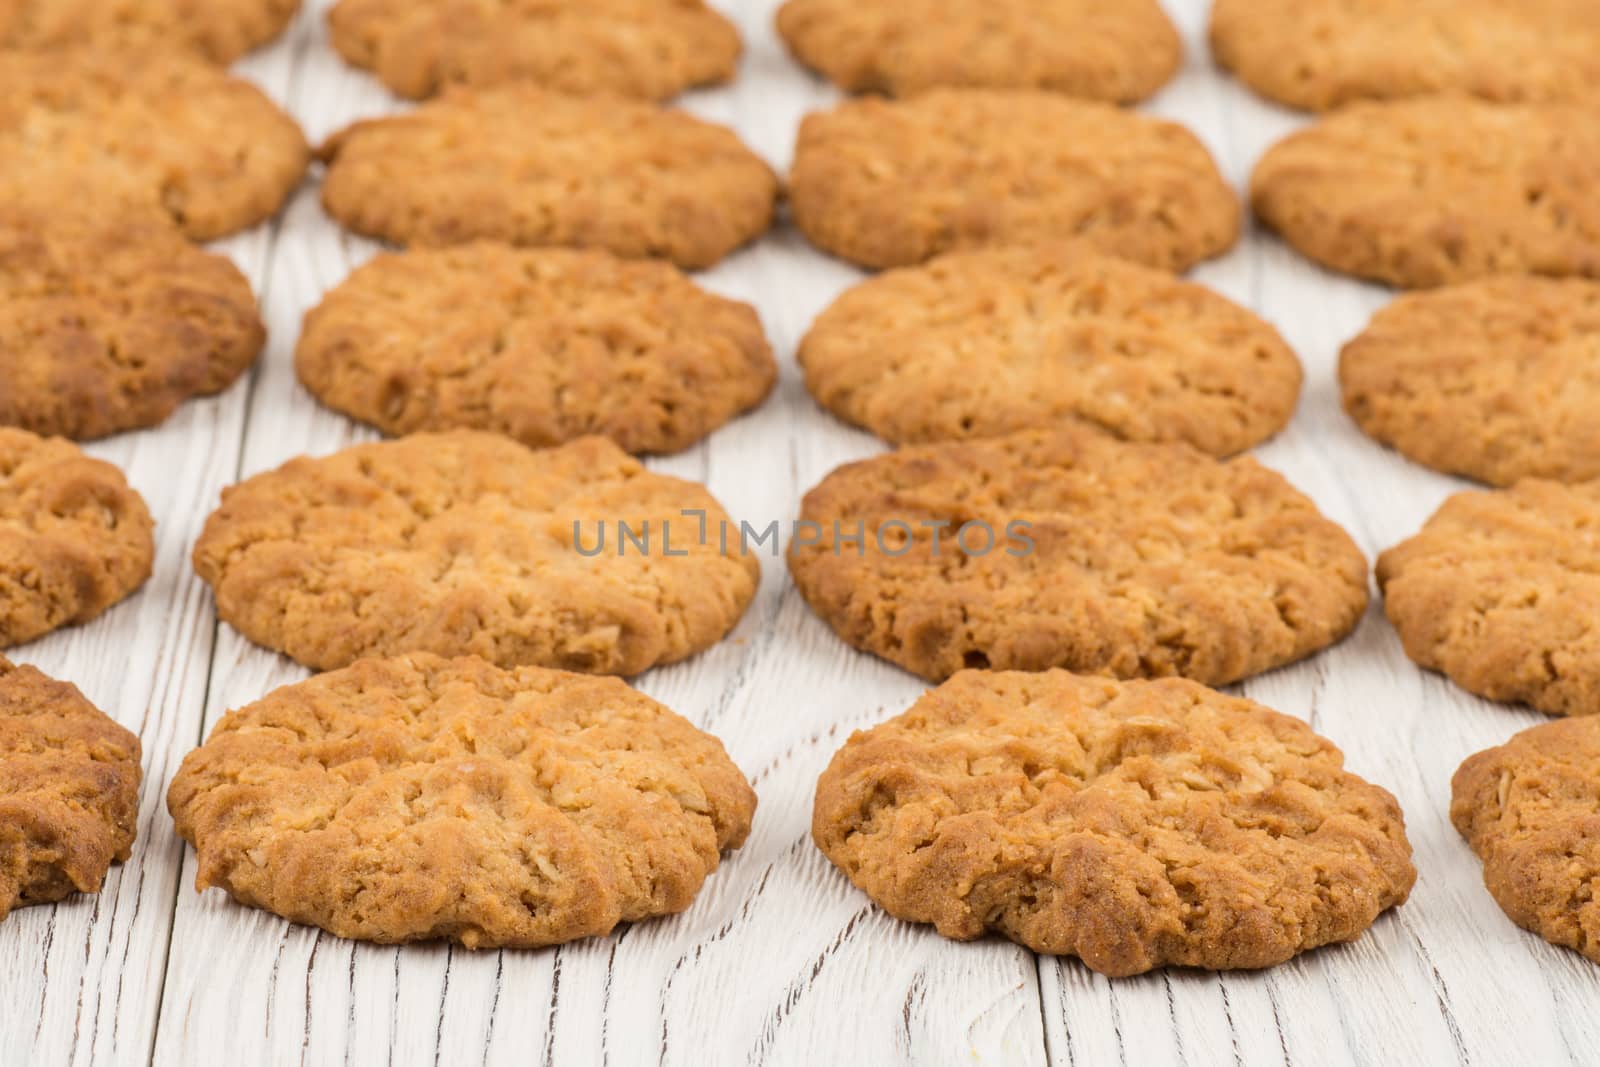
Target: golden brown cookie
pixel 1436 190
pixel 1497 380
pixel 1069 548
pixel 109 317
pixel 889 183
pixel 418 798
pixel 1530 810
pixel 1321 54
pixel 74 538
pixel 467 543
pixel 1500 591
pixel 527 167
pixel 218 30
pixel 542 345
pixel 647 49
pixel 210 150
pixel 976 344
pixel 69 789
pixel 1131 824
pixel 1120 51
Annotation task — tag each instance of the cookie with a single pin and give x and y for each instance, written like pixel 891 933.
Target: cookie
pixel 1131 824
pixel 1500 591
pixel 74 538
pixel 217 30
pixel 423 798
pixel 527 167
pixel 1426 192
pixel 637 48
pixel 890 183
pixel 1529 810
pixel 1119 51
pixel 69 789
pixel 109 317
pixel 210 150
pixel 1069 548
pixel 1322 54
pixel 467 543
pixel 976 344
pixel 541 345
pixel 1497 379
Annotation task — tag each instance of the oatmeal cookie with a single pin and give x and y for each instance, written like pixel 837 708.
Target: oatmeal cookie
pixel 69 790
pixel 528 167
pixel 977 344
pixel 1529 810
pixel 1131 824
pixel 1069 548
pixel 647 49
pixel 467 543
pixel 74 538
pixel 1436 190
pixel 1501 593
pixel 418 798
pixel 543 345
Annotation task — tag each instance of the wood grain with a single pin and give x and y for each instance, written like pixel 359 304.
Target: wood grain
pixel 780 960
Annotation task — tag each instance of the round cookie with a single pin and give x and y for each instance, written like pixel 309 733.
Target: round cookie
pixel 69 790
pixel 1119 51
pixel 527 167
pixel 1529 810
pixel 889 183
pixel 1497 380
pixel 218 30
pixel 1069 548
pixel 212 151
pixel 109 317
pixel 637 48
pixel 977 344
pixel 1321 54
pixel 1426 192
pixel 1500 591
pixel 467 543
pixel 1131 824
pixel 541 345
pixel 419 798
pixel 74 538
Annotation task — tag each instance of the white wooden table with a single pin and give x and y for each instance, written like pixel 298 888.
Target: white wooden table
pixel 780 961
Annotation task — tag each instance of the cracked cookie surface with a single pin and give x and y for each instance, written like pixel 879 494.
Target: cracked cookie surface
pixel 1529 810
pixel 637 48
pixel 1321 54
pixel 69 790
pixel 212 151
pixel 977 344
pixel 889 183
pixel 109 316
pixel 1496 380
pixel 541 345
pixel 418 798
pixel 74 538
pixel 467 543
pixel 218 30
pixel 1119 51
pixel 1131 824
pixel 1426 192
pixel 1501 593
pixel 1137 560
pixel 527 167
